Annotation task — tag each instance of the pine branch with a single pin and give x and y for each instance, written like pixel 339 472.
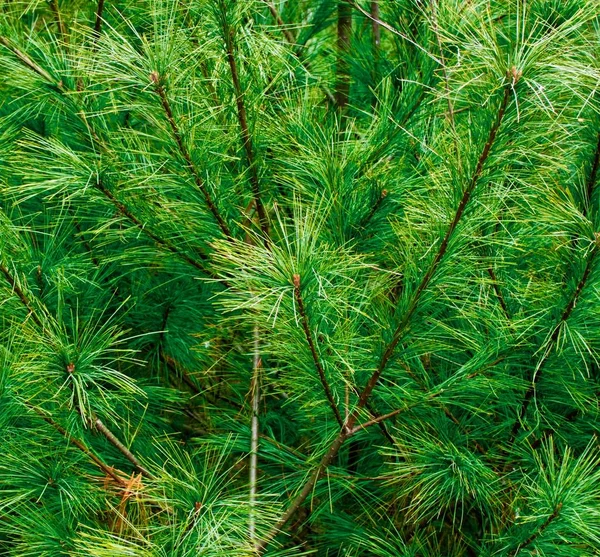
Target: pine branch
pixel 313 350
pixel 70 369
pixel 123 210
pixel 27 61
pixel 586 206
pixel 389 351
pixel 539 531
pixel 365 395
pixel 254 434
pixel 551 342
pixel 166 244
pixel 246 137
pixel 113 440
pixel 289 37
pixel 98 19
pixel 591 182
pixel 108 470
pixel 162 94
pixel 21 295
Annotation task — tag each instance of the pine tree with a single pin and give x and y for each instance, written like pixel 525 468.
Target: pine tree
pixel 299 277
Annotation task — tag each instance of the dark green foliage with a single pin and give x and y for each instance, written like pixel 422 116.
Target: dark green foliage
pixel 299 277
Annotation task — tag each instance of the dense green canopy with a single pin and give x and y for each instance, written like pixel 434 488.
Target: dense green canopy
pixel 293 277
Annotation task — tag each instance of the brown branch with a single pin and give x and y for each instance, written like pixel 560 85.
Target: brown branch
pixel 113 440
pixel 98 20
pixel 313 350
pixel 21 295
pixel 539 531
pixel 244 129
pixel 162 94
pixel 289 37
pixel 108 470
pixel 388 352
pixel 59 22
pixel 553 338
pixel 346 429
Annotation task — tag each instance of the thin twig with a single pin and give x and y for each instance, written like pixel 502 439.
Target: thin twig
pixel 539 531
pixel 254 434
pixel 162 94
pixel 289 37
pixel 247 142
pixel 21 295
pixel 313 350
pixel 113 440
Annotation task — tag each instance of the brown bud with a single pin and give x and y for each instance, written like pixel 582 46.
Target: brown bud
pixel 384 193
pixel 197 506
pixel 296 281
pixel 70 367
pixel 155 77
pixel 515 74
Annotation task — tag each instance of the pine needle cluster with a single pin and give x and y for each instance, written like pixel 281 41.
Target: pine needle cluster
pixel 313 277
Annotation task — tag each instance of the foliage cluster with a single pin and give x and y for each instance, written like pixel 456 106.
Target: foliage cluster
pixel 299 277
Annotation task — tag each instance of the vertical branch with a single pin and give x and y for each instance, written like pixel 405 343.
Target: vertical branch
pixel 254 435
pixel 344 30
pixel 98 20
pixel 59 22
pixel 375 26
pixel 242 116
